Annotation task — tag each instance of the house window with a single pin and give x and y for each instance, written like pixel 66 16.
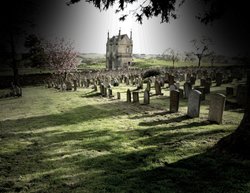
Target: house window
pixel 127 49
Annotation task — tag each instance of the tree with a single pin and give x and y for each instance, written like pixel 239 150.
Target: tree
pixel 171 54
pixel 35 48
pixel 15 19
pixel 201 48
pixel 60 56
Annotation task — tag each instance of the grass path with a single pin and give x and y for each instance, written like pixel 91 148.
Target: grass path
pixel 54 141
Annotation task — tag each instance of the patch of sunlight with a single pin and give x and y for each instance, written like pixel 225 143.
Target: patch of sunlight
pixel 36 175
pixel 11 146
pixel 38 131
pixel 76 153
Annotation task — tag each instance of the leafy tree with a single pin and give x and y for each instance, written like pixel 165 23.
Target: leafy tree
pixel 15 19
pixel 36 51
pixel 60 56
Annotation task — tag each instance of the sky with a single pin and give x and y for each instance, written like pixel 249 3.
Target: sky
pixel 87 27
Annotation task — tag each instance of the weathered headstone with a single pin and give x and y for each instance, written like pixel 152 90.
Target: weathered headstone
pixel 118 95
pixel 194 101
pixel 135 97
pixel 157 88
pixel 146 97
pixel 105 91
pixel 216 108
pixel 110 93
pixel 128 96
pixel 174 101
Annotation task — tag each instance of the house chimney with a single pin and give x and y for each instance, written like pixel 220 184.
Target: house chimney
pixel 131 34
pixel 108 35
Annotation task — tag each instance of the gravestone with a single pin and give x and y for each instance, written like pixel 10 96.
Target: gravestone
pixel 194 101
pixel 128 96
pixel 216 108
pixel 187 89
pixel 95 87
pixel 171 80
pixel 135 97
pixel 146 97
pixel 172 87
pixel 202 90
pixel 207 87
pixel 105 91
pixel 118 95
pixel 157 88
pixel 241 95
pixel 102 89
pixel 174 101
pixel 68 85
pixel 229 91
pixel 110 93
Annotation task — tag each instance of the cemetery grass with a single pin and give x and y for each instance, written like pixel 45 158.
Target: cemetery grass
pixel 53 141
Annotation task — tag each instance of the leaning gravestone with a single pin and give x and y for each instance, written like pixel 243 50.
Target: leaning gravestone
pixel 146 97
pixel 128 96
pixel 216 108
pixel 174 101
pixel 194 101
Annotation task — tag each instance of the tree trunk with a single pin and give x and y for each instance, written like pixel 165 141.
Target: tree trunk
pixel 239 141
pixel 14 61
pixel 199 62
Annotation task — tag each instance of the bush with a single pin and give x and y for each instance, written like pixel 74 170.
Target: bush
pixel 152 72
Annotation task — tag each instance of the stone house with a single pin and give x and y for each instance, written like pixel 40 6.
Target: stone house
pixel 119 51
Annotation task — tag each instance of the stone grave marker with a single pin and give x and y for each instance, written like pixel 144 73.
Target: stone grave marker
pixel 194 101
pixel 216 108
pixel 174 101
pixel 128 96
pixel 146 97
pixel 135 97
pixel 157 88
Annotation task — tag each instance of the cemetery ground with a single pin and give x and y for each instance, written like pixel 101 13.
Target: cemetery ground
pixel 78 141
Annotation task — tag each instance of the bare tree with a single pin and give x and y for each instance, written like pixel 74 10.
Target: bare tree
pixel 171 54
pixel 201 48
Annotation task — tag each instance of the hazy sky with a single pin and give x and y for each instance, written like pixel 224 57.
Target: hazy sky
pixel 87 27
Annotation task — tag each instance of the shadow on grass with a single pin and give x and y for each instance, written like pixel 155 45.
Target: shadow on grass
pixel 91 94
pixel 74 116
pixel 172 120
pixel 104 168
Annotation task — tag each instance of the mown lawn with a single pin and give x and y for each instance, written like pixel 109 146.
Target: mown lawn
pixel 53 141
